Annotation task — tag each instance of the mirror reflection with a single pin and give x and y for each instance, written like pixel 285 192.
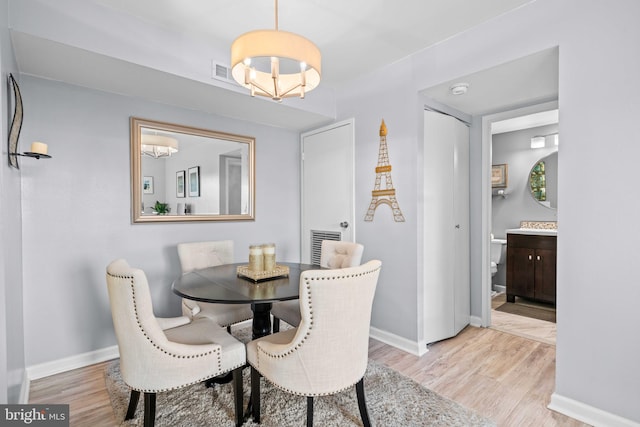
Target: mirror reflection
pixel 543 181
pixel 181 173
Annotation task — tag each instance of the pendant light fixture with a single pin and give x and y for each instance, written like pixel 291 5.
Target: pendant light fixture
pixel 156 146
pixel 275 64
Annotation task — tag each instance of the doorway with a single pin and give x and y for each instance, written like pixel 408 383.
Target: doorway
pixel 506 141
pixel 328 186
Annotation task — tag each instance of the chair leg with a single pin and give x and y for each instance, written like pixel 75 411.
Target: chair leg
pixel 276 324
pixel 133 404
pixel 309 411
pixel 362 404
pixel 149 409
pixel 238 394
pixel 255 395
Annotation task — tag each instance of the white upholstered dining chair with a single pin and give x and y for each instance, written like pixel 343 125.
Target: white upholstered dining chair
pixel 198 255
pixel 161 354
pixel 333 254
pixel 328 351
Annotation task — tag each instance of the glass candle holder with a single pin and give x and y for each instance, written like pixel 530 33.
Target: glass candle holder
pixel 269 255
pixel 256 259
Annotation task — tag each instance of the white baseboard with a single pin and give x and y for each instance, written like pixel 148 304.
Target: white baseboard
pixel 24 389
pixel 499 288
pixel 398 342
pixel 475 321
pixel 587 414
pixel 72 362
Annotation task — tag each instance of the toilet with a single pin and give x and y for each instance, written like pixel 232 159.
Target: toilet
pixel 498 249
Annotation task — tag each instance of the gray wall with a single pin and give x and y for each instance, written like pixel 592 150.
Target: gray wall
pixel 12 359
pixel 596 303
pixel 395 308
pixel 514 149
pixel 77 207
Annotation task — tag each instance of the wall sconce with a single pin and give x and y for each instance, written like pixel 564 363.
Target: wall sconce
pixel 538 141
pixel 38 149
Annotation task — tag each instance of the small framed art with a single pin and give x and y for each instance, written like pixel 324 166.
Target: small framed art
pixel 180 183
pixel 147 185
pixel 194 181
pixel 499 175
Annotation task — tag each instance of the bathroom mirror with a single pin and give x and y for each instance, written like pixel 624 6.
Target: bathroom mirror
pixel 181 173
pixel 543 181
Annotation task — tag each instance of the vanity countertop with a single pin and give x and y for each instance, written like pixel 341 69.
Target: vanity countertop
pixel 534 231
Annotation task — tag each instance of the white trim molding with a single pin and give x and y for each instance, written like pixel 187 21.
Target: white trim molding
pixel 412 347
pixel 587 414
pixel 72 362
pixel 476 321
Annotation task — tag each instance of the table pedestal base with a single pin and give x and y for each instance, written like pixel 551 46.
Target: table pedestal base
pixel 261 319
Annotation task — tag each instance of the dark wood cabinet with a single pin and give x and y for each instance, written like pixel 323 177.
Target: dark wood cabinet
pixel 531 267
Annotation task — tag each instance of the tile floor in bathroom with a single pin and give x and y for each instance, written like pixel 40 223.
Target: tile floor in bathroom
pixel 525 327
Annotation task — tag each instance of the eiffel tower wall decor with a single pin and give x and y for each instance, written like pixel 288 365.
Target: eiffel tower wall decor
pixel 384 195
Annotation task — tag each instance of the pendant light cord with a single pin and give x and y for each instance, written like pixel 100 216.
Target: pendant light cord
pixel 276 7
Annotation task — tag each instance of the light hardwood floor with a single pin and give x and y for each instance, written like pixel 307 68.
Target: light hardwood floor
pixel 506 378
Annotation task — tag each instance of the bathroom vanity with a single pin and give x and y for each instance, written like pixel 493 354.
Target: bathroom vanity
pixel 531 264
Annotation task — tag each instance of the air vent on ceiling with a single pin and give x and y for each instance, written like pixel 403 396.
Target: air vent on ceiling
pixel 316 242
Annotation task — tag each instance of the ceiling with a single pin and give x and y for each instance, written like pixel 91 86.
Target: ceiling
pixel 532 79
pixel 353 36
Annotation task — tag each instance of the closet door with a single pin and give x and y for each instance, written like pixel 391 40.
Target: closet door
pixel 446 292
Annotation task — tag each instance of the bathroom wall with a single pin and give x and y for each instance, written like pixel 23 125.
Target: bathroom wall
pixel 514 149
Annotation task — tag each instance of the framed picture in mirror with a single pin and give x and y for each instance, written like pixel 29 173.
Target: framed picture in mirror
pixel 147 185
pixel 194 181
pixel 180 183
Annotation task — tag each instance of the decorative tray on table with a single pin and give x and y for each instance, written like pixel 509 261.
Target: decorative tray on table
pixel 257 276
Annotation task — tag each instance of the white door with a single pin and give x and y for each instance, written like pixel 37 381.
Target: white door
pixel 328 185
pixel 461 268
pixel 446 292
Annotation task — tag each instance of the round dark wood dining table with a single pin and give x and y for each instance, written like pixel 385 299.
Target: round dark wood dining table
pixel 222 285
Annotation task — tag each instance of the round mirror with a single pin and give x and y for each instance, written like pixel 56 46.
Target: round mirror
pixel 543 181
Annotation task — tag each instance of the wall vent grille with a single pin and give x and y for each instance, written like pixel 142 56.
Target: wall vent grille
pixel 316 242
pixel 221 72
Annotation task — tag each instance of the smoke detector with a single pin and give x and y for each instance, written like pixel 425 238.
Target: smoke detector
pixel 459 88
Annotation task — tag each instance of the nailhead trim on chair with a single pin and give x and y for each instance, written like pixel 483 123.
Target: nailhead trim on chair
pixel 329 393
pixel 299 345
pixel 135 308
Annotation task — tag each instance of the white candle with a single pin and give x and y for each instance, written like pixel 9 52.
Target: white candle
pixel 39 147
pixel 256 260
pixel 269 252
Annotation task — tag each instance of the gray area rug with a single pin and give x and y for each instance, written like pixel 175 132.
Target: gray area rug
pixel 392 400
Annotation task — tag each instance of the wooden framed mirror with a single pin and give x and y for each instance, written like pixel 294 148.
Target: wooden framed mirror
pixel 182 173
